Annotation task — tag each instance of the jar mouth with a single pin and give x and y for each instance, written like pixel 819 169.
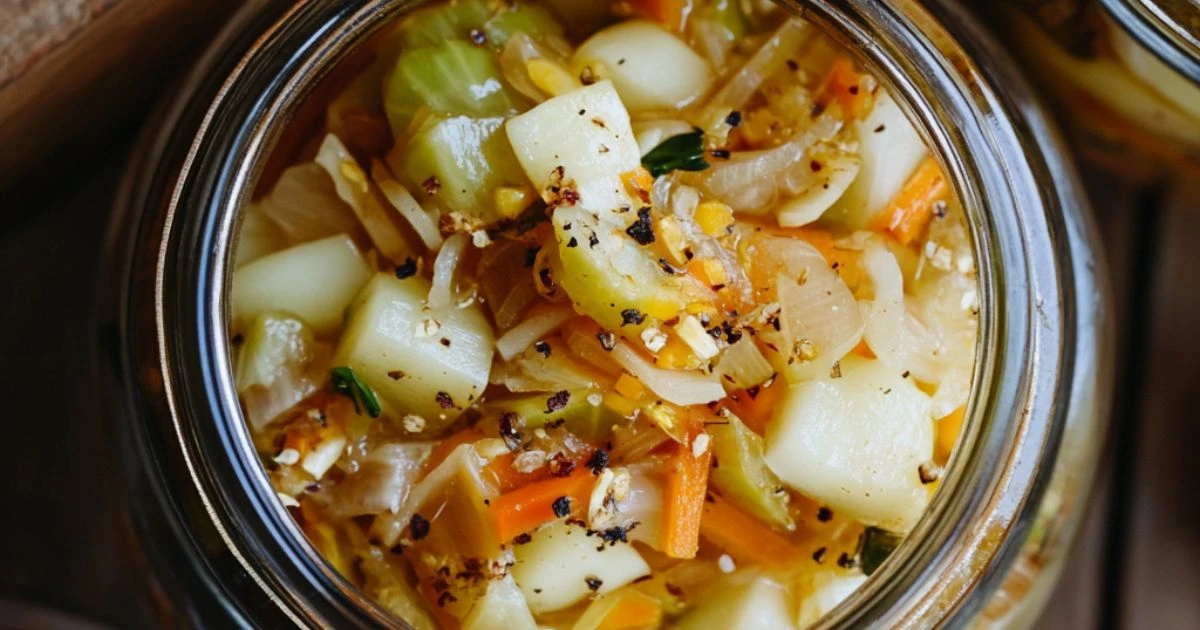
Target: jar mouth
pixel 1170 29
pixel 988 141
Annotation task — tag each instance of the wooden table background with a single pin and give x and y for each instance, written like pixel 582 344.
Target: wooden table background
pixel 1137 564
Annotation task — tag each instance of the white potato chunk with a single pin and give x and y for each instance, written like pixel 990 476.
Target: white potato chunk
pixel 429 362
pixel 314 281
pixel 587 133
pixel 829 589
pixel 502 606
pixel 745 602
pixel 855 443
pixel 553 569
pixel 650 67
pixel 890 149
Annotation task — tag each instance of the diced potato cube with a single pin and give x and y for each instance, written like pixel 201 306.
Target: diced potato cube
pixel 430 362
pixel 314 281
pixel 554 569
pixel 855 443
pixel 586 133
pixel 829 589
pixel 745 602
pixel 650 67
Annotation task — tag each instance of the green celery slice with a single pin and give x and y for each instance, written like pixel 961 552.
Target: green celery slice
pixel 742 476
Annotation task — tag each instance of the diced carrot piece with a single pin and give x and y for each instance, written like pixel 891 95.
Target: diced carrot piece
pixel 638 183
pixel 756 411
pixel 629 387
pixel 623 406
pixel 948 429
pixel 533 505
pixel 744 537
pixel 908 215
pixel 632 610
pixel 844 85
pixel 447 446
pixel 672 14
pixel 676 355
pixel 683 500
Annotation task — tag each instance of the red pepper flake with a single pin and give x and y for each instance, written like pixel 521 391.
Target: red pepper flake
pixel 557 401
pixel 642 230
pixel 396 375
pixel 561 465
pixel 418 527
pixel 593 583
pixel 561 506
pixel 673 589
pixel 444 341
pixel 407 269
pixel 431 185
pixel 522 539
pixel 632 316
pixel 815 166
pixel 444 400
pixel 598 461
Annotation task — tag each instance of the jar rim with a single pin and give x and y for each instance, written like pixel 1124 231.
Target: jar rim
pixel 1030 240
pixel 1170 29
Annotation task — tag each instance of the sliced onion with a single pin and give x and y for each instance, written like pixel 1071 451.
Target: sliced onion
pixel 820 310
pixel 643 504
pixel 306 206
pixel 674 386
pixel 520 49
pixel 582 337
pixel 523 294
pixel 354 187
pixel 258 236
pixel 382 482
pixel 897 338
pixel 819 191
pixel 743 365
pixel 532 372
pixel 651 133
pixel 441 480
pixel 768 60
pixel 523 335
pixel 423 222
pixel 750 180
pixel 441 290
pixel 266 403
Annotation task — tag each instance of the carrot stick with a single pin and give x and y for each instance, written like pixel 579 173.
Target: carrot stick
pixel 683 499
pixel 533 504
pixel 744 537
pixel 907 216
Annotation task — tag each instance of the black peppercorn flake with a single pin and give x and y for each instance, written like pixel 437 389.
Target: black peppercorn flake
pixel 522 539
pixel 593 583
pixel 608 341
pixel 574 242
pixel 531 255
pixel 543 348
pixel 444 400
pixel 642 230
pixel 478 37
pixel 598 461
pixel 819 555
pixel 407 269
pixel 418 527
pixel 824 514
pixel 632 316
pixel 734 118
pixel 558 401
pixel 561 506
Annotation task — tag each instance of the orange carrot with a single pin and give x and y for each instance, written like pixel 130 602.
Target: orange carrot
pixel 632 610
pixel 756 411
pixel 638 183
pixel 744 537
pixel 505 478
pixel 447 446
pixel 683 499
pixel 533 504
pixel 844 85
pixel 864 350
pixel 672 14
pixel 948 429
pixel 910 212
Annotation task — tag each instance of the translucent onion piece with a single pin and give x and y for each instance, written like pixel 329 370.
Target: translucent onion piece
pixel 674 386
pixel 520 49
pixel 521 336
pixel 441 480
pixel 354 188
pixel 816 308
pixel 441 290
pixel 423 222
pixel 581 336
pixel 306 206
pixel 259 236
pixel 750 180
pixel 382 482
pixel 523 294
pixel 769 59
pixel 530 371
pixel 897 338
pixel 265 404
pixel 743 365
pixel 651 133
pixel 819 191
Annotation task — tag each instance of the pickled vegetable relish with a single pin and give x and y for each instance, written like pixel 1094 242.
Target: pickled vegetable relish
pixel 590 315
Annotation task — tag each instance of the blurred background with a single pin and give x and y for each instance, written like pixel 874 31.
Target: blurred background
pixel 78 79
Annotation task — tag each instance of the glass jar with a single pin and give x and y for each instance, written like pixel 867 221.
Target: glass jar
pixel 1124 76
pixel 222 548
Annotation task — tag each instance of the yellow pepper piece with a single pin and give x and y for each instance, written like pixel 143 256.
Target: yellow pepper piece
pixel 551 77
pixel 629 387
pixel 714 217
pixel 511 201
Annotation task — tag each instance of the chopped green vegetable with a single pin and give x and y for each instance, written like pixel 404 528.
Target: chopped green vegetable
pixel 742 475
pixel 684 152
pixel 277 342
pixel 467 158
pixel 454 77
pixel 443 21
pixel 877 545
pixel 345 382
pixel 532 20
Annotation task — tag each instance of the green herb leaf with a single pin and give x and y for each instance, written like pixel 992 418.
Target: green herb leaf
pixel 678 153
pixel 347 383
pixel 877 545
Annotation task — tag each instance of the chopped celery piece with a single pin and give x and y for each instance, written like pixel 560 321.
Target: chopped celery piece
pixel 532 20
pixel 453 77
pixel 742 475
pixel 467 157
pixel 443 21
pixel 592 423
pixel 275 344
